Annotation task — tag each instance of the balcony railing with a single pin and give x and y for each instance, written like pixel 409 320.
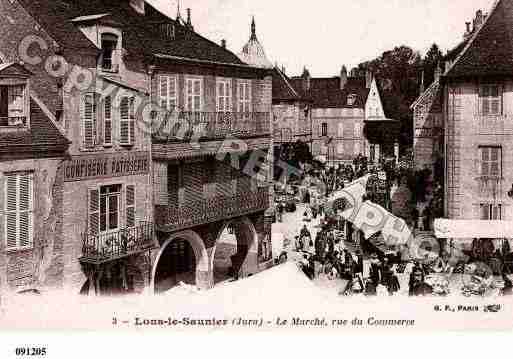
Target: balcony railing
pixel 493 124
pixel 212 209
pixel 489 187
pixel 182 126
pixel 13 121
pixel 107 247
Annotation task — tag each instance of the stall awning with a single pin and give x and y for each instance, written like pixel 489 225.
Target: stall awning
pixel 453 228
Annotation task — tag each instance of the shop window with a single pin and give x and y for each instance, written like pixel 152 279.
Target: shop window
pixel 18 210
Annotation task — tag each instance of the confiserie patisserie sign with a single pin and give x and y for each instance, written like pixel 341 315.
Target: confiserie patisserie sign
pixel 106 165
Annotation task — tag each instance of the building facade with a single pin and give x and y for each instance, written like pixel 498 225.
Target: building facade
pixel 32 150
pixel 160 123
pixel 341 107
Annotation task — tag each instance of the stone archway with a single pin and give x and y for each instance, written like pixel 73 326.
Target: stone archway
pixel 200 265
pixel 244 257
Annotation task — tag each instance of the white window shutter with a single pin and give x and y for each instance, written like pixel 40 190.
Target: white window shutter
pixel 94 212
pixel 11 207
pixel 25 210
pixel 107 121
pixel 88 114
pixel 130 206
pixel 124 123
pixel 163 86
pixel 131 120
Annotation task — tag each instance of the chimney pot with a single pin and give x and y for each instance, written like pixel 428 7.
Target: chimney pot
pixel 223 43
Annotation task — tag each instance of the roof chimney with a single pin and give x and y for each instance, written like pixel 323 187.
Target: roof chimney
pixel 189 22
pixel 223 43
pixel 306 79
pixel 368 78
pixel 343 77
pixel 283 70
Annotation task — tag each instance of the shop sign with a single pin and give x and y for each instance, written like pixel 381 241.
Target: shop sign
pixel 81 168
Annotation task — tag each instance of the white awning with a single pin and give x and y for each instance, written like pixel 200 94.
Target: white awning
pixel 451 228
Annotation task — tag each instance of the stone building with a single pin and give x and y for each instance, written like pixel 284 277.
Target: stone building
pixel 114 78
pixel 211 160
pixel 291 113
pixel 32 150
pixel 428 138
pixel 341 108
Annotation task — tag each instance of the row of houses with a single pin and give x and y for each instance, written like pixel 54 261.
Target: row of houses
pixel 128 144
pixel 463 120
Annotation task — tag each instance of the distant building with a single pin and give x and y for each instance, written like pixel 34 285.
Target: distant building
pixel 343 108
pixel 292 119
pixel 428 123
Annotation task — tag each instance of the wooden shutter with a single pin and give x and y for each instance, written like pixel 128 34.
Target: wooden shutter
pixel 163 86
pixel 107 121
pixel 495 100
pixel 494 161
pixel 11 206
pixel 94 212
pixel 89 119
pixel 131 120
pixel 130 206
pixel 25 210
pixel 124 123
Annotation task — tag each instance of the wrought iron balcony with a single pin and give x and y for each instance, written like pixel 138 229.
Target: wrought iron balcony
pixel 171 218
pixel 107 247
pixel 13 121
pixel 489 187
pixel 182 126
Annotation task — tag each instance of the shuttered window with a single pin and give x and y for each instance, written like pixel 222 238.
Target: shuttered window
pixel 18 210
pixel 130 206
pixel 107 121
pixel 491 161
pixel 324 129
pixel 127 120
pixel 168 92
pixel 193 94
pixel 94 212
pixel 224 95
pixel 491 100
pixel 88 114
pixel 491 211
pixel 244 96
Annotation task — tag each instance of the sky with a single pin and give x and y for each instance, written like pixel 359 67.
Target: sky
pixel 323 35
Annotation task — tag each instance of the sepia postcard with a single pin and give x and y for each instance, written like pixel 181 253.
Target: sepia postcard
pixel 197 166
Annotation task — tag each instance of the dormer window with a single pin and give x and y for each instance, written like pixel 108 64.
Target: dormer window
pixel 14 96
pixel 109 45
pixel 351 99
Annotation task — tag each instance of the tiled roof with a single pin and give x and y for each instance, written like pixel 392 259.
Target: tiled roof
pixel 490 50
pixel 140 32
pixel 42 133
pixel 282 88
pixel 326 92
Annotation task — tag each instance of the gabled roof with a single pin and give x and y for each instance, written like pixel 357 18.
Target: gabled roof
pixel 282 88
pixel 13 69
pixel 489 52
pixel 326 92
pixel 42 137
pixel 141 36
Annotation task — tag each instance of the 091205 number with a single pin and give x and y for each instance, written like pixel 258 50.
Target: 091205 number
pixel 28 351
